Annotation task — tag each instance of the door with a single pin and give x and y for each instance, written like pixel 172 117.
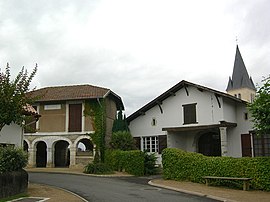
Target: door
pixel 246 145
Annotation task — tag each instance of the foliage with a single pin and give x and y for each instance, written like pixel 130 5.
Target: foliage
pixel 120 123
pixel 12 96
pixel 260 108
pixel 12 159
pixel 122 140
pixel 150 166
pixel 181 165
pixel 131 162
pixel 97 168
pixel 96 110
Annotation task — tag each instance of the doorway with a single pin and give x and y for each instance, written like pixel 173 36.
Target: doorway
pixel 209 144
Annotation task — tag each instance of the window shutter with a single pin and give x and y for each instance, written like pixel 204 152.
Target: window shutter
pixel 137 141
pixel 189 113
pixel 162 139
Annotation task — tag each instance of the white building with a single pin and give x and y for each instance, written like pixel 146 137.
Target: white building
pixel 199 119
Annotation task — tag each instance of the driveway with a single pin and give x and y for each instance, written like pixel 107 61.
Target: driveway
pixel 112 189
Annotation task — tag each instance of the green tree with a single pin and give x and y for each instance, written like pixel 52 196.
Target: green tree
pixel 122 140
pixel 260 108
pixel 13 97
pixel 120 123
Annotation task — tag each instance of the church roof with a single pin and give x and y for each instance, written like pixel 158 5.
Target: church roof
pixel 240 77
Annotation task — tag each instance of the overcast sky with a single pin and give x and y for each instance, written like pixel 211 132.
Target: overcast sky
pixel 136 48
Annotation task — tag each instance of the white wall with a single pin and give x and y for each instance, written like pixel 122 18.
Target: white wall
pixel 12 134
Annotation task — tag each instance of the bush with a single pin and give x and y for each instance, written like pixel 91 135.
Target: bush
pixel 12 159
pixel 122 140
pixel 181 165
pixel 97 168
pixel 150 166
pixel 131 162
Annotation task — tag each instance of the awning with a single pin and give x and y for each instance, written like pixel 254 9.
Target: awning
pixel 200 127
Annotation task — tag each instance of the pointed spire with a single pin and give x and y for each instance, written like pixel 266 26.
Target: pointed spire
pixel 240 77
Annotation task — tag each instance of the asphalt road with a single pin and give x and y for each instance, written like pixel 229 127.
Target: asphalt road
pixel 112 189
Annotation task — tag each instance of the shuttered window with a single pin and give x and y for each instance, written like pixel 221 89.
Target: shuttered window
pixel 75 118
pixel 162 140
pixel 189 111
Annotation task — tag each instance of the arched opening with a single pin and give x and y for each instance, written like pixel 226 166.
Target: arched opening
pixel 61 154
pixel 85 147
pixel 209 144
pixel 41 154
pixel 25 146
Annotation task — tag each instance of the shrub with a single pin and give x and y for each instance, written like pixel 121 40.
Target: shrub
pixel 97 168
pixel 131 162
pixel 181 165
pixel 150 167
pixel 122 140
pixel 12 159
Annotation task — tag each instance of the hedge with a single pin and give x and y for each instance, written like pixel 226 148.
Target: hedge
pixel 131 162
pixel 12 159
pixel 181 165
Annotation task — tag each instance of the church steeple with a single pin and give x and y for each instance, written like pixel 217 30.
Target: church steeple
pixel 240 83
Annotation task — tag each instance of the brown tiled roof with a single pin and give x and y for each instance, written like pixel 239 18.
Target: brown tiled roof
pixel 74 92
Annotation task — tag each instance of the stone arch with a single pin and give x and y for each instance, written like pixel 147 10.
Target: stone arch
pixel 41 154
pixel 209 144
pixel 26 145
pixel 61 153
pixel 87 143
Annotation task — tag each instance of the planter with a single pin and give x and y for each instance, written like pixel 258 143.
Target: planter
pixel 12 183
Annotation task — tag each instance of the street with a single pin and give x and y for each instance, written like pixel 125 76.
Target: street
pixel 112 189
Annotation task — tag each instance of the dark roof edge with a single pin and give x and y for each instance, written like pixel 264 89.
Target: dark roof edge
pixel 173 90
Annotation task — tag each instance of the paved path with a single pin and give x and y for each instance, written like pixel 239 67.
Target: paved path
pixel 99 189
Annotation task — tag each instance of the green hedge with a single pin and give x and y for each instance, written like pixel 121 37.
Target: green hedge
pixel 12 159
pixel 131 162
pixel 97 168
pixel 181 165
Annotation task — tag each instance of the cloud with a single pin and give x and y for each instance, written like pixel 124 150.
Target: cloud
pixel 138 49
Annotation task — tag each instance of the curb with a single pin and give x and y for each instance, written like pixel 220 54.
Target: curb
pixel 190 192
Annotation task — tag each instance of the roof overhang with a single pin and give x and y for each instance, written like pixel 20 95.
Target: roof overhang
pixel 200 127
pixel 172 92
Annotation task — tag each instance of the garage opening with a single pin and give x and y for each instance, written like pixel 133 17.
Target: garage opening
pixel 61 154
pixel 209 144
pixel 41 154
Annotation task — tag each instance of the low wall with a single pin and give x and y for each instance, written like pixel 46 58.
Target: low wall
pixel 12 183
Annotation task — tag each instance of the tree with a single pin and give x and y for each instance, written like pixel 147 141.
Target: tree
pixel 13 97
pixel 260 108
pixel 120 123
pixel 122 140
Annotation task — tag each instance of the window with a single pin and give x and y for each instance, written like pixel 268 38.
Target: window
pixel 75 118
pixel 150 144
pixel 239 95
pixel 252 97
pixel 52 107
pixel 154 122
pixel 189 113
pixel 246 116
pixel 261 145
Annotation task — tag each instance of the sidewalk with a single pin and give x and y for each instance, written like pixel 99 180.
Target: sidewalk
pixel 219 193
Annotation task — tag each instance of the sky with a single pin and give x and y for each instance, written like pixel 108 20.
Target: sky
pixel 137 48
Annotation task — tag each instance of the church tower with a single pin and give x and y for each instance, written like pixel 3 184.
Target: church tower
pixel 240 84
